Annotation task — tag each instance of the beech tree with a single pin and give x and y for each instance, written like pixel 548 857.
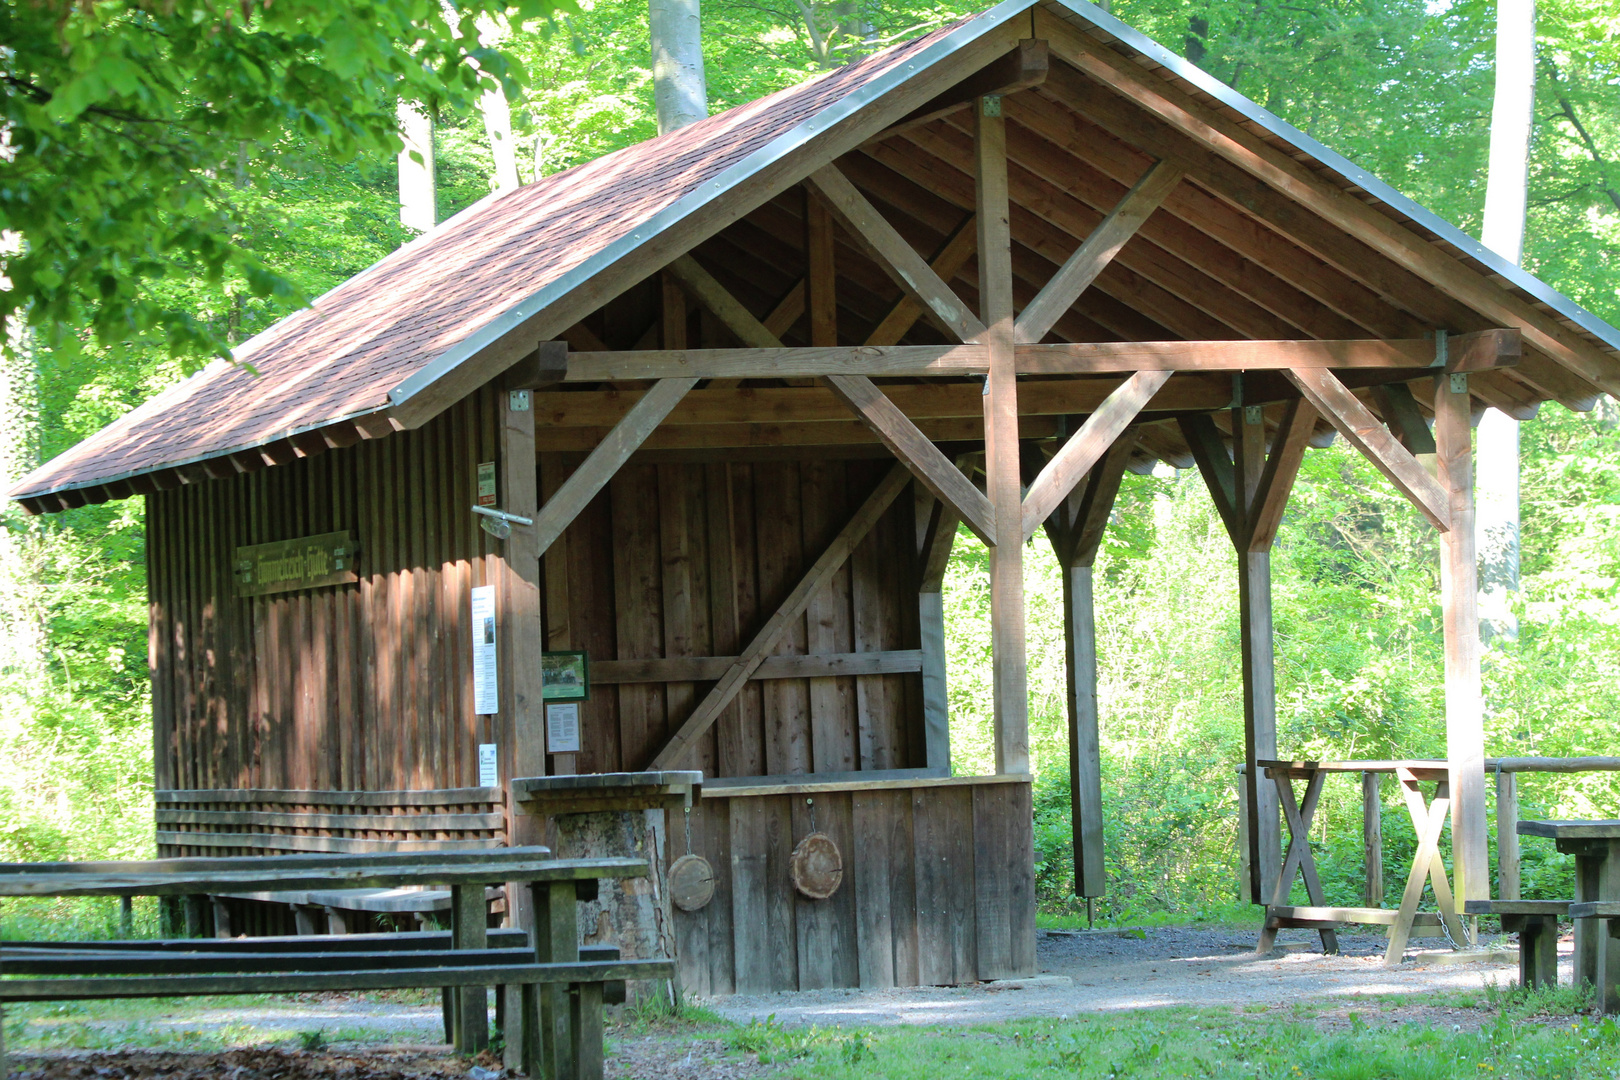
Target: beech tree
pixel 680 92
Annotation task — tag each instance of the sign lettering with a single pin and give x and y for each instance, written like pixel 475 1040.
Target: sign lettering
pixel 288 565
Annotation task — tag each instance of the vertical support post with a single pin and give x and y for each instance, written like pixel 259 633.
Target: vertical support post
pixel 469 929
pixel 1245 882
pixel 559 626
pixel 126 916
pixel 194 916
pixel 1459 602
pixel 1372 841
pixel 934 555
pixel 1259 661
pixel 1085 753
pixel 1507 835
pixel 821 282
pixel 585 1025
pixel 518 611
pixel 1002 474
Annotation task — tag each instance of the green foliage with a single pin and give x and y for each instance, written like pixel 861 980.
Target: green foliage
pixel 133 128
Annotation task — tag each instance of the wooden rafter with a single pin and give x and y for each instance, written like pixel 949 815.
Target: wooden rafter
pixel 894 253
pixel 1363 430
pixel 957 252
pixel 750 659
pixel 1087 446
pixel 1097 251
pixel 1267 504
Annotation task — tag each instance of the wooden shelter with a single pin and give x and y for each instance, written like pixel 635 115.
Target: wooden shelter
pixel 741 383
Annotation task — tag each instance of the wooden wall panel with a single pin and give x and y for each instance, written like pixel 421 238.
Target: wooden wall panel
pixel 362 686
pixel 938 889
pixel 690 559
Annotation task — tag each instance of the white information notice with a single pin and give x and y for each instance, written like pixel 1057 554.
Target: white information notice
pixel 488 774
pixel 562 727
pixel 486 698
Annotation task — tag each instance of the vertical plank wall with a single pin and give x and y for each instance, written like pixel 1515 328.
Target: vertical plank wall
pixel 352 687
pixel 689 559
pixel 938 889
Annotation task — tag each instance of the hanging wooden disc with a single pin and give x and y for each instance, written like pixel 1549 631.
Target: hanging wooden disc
pixel 691 882
pixel 817 866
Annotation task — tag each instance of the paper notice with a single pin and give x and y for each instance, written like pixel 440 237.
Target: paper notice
pixel 562 727
pixel 486 698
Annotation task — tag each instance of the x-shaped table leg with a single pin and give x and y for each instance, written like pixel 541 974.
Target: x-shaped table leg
pixel 1429 822
pixel 1299 860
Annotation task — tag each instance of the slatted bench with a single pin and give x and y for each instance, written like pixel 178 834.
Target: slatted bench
pixel 558 1033
pixel 249 821
pixel 1536 923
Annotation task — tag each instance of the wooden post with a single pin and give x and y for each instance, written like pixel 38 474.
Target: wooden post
pixel 1507 835
pixel 556 941
pixel 1372 840
pixel 1259 661
pixel 469 929
pixel 520 628
pixel 559 626
pixel 1085 760
pixel 1003 480
pixel 1459 602
pixel 938 536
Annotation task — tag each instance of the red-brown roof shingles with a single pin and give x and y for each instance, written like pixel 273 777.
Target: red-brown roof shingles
pixel 340 357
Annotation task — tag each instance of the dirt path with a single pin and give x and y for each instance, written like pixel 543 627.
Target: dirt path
pixel 1101 972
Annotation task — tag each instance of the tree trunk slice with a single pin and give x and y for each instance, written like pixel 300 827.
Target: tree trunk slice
pixel 691 882
pixel 817 866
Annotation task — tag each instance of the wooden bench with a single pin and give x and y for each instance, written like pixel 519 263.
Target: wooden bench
pixel 250 821
pixel 559 1028
pixel 1536 923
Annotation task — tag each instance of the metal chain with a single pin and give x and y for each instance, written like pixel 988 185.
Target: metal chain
pixel 811 803
pixel 688 820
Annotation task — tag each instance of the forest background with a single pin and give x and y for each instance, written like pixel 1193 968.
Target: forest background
pixel 1402 87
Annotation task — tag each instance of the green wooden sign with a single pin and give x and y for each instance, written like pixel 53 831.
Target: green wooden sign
pixel 288 565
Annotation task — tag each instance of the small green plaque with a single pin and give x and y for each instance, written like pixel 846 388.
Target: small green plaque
pixel 565 676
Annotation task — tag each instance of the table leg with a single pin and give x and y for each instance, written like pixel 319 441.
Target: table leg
pixel 1298 850
pixel 194 916
pixel 585 1024
pixel 1299 820
pixel 1608 946
pixel 469 929
pixel 556 940
pixel 1587 931
pixel 1428 823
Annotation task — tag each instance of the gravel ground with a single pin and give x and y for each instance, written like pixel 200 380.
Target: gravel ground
pixel 1100 971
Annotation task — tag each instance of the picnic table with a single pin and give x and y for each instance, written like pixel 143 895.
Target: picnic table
pixel 1428 821
pixel 560 1031
pixel 1596 847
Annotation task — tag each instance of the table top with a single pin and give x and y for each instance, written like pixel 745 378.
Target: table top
pixel 1424 767
pixel 1572 830
pixel 174 877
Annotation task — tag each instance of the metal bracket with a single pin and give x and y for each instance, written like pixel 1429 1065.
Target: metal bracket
pixel 992 105
pixel 1253 414
pixel 1459 383
pixel 518 401
pixel 1442 351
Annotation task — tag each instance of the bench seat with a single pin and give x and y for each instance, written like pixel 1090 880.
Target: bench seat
pixel 1536 923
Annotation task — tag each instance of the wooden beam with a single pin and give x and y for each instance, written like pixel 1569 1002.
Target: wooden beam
pixel 821 281
pixel 1020 69
pixel 933 558
pixel 1102 488
pixel 958 249
pixel 712 668
pixel 1062 358
pixel 1097 251
pixel 1353 420
pixel 847 434
pixel 1215 463
pixel 913 448
pixel 1459 606
pixel 1087 446
pixel 1405 419
pixel 546 366
pixel 672 312
pixel 1390 238
pixel 1277 479
pixel 702 287
pixel 1484 350
pixel 1003 479
pixel 580 488
pixel 743 668
pixel 894 253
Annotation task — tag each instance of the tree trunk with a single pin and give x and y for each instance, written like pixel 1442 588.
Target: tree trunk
pixel 418 195
pixel 1497 486
pixel 679 90
pixel 498 116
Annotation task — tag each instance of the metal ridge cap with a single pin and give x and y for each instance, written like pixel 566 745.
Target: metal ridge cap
pixel 1349 170
pixel 802 132
pixel 17 494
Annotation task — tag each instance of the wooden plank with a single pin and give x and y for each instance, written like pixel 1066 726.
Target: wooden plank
pixel 1372 841
pixel 1097 504
pixel 678 549
pixel 957 250
pixel 1459 606
pixel 291 842
pixel 821 277
pixel 778 363
pixel 606 459
pixel 439 797
pixel 894 254
pixel 1363 431
pixel 1096 252
pixel 868 875
pixel 1085 754
pixel 789 611
pixel 785 706
pixel 703 288
pixel 638 609
pixel 827 619
pixel 862 780
pixel 767 442
pixel 1215 464
pixel 826 941
pixel 925 460
pixel 712 832
pixel 710 668
pixel 558 607
pixel 1388 237
pixel 992 885
pixel 383 822
pixel 933 873
pixel 1076 457
pixel 1507 835
pixel 1019 866
pixel 1003 482
pixel 750 872
pixel 868 583
pixel 779 910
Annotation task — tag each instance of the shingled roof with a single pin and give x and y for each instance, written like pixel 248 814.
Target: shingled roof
pixel 445 313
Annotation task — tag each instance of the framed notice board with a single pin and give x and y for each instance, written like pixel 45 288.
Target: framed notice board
pixel 565 676
pixel 288 565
